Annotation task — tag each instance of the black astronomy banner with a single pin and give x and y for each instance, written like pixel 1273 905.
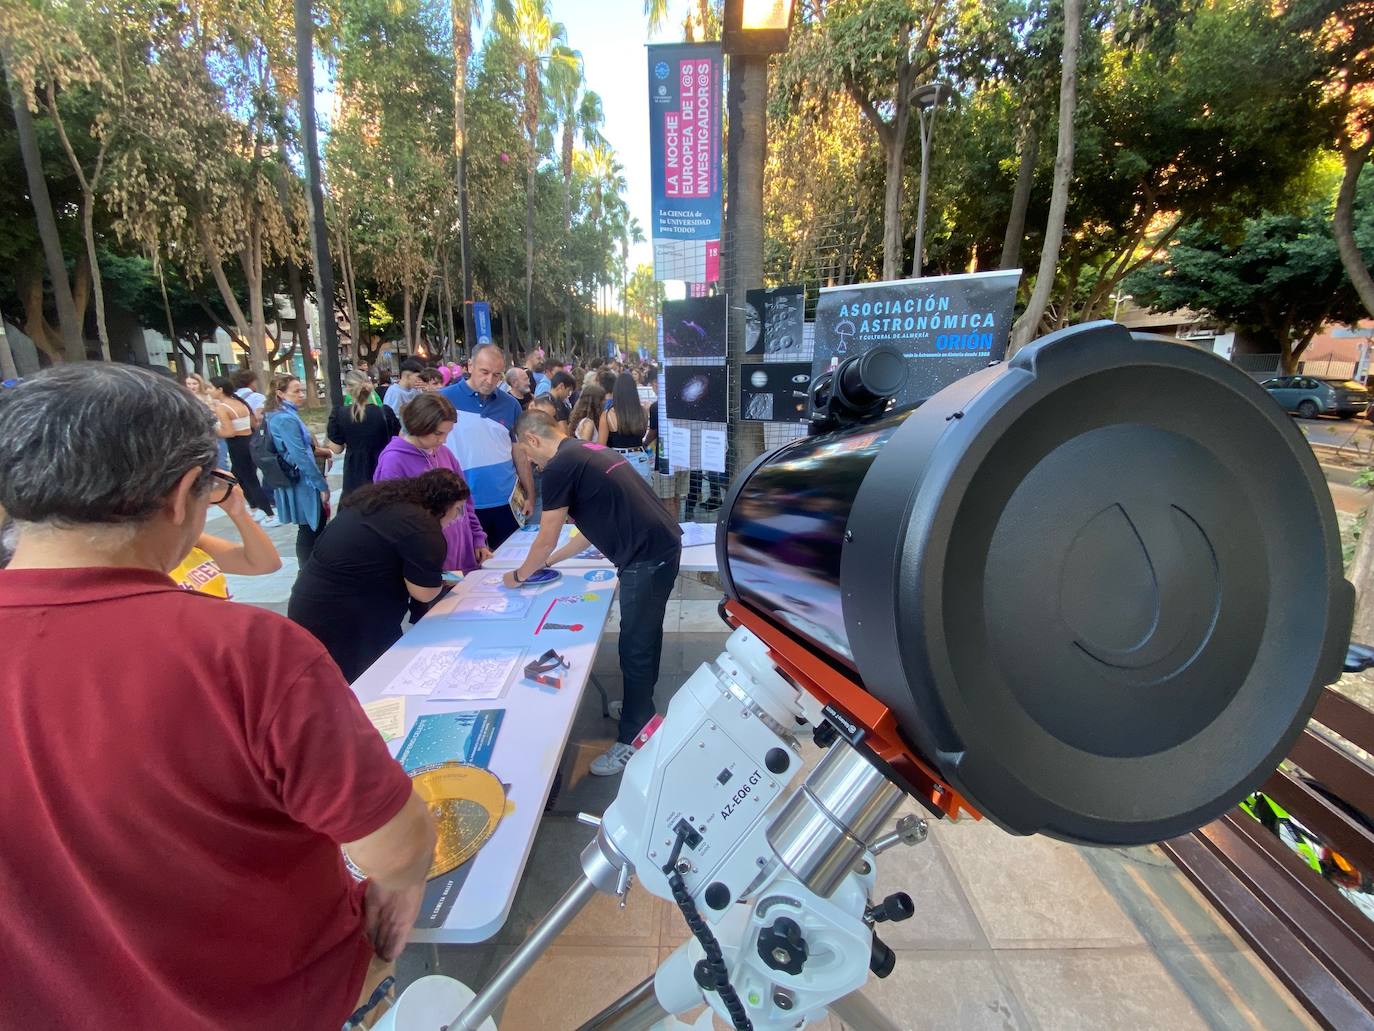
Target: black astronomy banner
pixel 947 326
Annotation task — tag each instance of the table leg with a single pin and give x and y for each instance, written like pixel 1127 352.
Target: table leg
pixel 605 698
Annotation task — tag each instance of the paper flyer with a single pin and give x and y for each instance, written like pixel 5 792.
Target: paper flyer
pixel 467 737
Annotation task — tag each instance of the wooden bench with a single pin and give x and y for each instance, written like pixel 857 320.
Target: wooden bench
pixel 1318 943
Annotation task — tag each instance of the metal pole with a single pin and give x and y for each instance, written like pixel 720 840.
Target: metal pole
pixel 855 1011
pixel 524 957
pixel 314 197
pixel 927 127
pixel 636 1010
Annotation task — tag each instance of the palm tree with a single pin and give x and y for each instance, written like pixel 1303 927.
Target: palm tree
pixel 461 13
pixel 540 41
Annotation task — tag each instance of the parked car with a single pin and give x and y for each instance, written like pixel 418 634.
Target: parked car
pixel 1308 397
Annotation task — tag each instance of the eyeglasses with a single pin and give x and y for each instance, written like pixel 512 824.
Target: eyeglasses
pixel 221 486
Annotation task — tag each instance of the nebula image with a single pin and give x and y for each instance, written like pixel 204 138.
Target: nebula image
pixel 694 328
pixel 695 392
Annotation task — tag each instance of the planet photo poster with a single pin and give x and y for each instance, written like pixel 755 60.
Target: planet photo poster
pixel 774 322
pixel 696 392
pixel 775 391
pixel 694 328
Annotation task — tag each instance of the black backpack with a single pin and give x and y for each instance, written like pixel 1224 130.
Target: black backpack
pixel 277 472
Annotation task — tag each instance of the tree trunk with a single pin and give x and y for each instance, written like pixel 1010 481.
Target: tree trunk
pixel 1026 325
pixel 73 344
pixel 1020 198
pixel 29 283
pixel 1342 229
pixel 461 16
pixel 257 359
pixel 7 366
pixel 301 337
pixel 529 242
pixel 88 187
pixel 405 321
pixel 1361 574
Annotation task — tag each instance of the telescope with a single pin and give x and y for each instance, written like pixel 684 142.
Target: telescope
pixel 1091 592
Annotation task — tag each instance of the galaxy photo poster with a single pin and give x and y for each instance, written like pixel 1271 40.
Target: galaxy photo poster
pixel 694 328
pixel 775 391
pixel 774 320
pixel 695 392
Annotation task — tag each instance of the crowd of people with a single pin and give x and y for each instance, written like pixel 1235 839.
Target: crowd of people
pixel 185 763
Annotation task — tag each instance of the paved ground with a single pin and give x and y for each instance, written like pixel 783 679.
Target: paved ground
pixel 1009 932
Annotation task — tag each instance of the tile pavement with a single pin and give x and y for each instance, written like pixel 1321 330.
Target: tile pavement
pixel 1009 933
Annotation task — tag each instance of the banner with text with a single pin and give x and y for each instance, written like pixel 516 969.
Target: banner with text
pixel 946 326
pixel 685 156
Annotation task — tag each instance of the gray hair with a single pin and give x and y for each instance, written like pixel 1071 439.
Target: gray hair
pixel 513 374
pixel 93 443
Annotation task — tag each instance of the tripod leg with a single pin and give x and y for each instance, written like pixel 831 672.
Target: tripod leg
pixel 524 957
pixel 636 1010
pixel 859 1013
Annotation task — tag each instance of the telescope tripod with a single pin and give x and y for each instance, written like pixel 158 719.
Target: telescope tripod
pixel 774 884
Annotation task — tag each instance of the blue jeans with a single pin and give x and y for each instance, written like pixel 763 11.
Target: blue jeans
pixel 644 591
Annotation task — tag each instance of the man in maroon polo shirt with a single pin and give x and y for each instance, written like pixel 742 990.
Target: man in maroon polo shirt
pixel 178 772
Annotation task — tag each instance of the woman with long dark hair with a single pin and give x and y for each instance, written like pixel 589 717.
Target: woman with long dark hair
pixel 625 426
pixel 360 430
pixel 385 547
pixel 586 413
pixel 236 421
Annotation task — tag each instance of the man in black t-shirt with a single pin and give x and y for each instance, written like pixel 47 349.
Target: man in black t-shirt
pixel 618 513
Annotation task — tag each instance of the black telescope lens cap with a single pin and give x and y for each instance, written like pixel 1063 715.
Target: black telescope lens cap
pixel 1105 599
pixel 882 371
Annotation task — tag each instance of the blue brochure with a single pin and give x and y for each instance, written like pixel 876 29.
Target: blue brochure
pixel 467 737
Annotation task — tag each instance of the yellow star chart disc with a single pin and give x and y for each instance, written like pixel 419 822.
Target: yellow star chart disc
pixel 467 802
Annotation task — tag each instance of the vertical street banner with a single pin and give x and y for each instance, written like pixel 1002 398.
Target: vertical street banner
pixel 481 323
pixel 946 326
pixel 685 122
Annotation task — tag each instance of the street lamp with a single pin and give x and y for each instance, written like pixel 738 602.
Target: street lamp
pixel 926 99
pixel 750 31
pixel 1118 298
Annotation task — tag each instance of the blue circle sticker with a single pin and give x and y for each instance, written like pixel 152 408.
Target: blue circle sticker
pixel 661 69
pixel 598 576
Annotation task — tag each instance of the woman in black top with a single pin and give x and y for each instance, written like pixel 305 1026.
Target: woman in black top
pixel 625 426
pixel 385 547
pixel 360 430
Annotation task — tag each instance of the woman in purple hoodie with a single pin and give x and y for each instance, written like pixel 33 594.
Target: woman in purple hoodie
pixel 426 421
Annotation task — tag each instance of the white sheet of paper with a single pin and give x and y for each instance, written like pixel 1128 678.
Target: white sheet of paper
pixel 485 581
pixel 481 605
pixel 679 448
pixel 514 551
pixel 479 673
pixel 713 451
pixel 698 533
pixel 424 672
pixel 388 715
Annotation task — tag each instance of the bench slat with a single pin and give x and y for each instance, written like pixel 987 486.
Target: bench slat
pixel 1318 990
pixel 1348 837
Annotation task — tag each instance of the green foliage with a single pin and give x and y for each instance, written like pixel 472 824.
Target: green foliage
pixel 1277 277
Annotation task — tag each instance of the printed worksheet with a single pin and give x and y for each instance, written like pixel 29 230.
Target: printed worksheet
pixel 480 605
pixel 485 581
pixel 480 673
pixel 698 533
pixel 424 672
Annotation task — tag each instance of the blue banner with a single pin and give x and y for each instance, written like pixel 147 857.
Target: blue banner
pixel 481 322
pixel 685 158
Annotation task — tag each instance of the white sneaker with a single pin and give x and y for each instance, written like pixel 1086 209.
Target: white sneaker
pixel 613 761
pixel 258 515
pixel 615 708
pixel 271 523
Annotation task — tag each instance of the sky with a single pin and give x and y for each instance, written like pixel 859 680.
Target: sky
pixel 611 35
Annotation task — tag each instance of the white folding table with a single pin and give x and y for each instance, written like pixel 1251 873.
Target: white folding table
pixel 534 731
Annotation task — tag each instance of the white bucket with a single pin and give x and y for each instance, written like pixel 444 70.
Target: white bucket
pixel 429 1004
